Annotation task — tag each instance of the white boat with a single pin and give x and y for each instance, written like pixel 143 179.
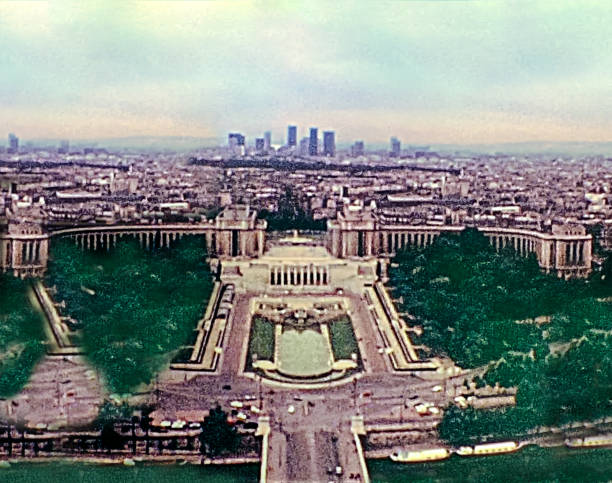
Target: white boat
pixel 589 442
pixel 432 454
pixel 465 451
pixel 495 448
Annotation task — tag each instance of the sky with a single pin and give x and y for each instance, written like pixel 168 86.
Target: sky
pixel 426 72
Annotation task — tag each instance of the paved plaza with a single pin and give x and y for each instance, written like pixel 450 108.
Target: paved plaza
pixel 310 420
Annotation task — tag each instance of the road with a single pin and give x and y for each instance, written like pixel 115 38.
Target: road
pixel 308 442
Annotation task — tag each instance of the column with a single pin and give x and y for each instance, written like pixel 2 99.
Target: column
pixel 261 242
pixel 243 246
pixel 302 275
pixel 44 252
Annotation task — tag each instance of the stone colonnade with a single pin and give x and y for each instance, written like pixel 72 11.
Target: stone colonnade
pixel 148 239
pixel 299 275
pixel 568 252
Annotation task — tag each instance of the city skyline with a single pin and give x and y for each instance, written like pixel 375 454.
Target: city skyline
pixel 460 72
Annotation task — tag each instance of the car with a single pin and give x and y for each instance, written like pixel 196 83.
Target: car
pixel 250 397
pixel 241 416
pixel 339 470
pixel 236 404
pixel 436 389
pixel 291 409
pixel 227 387
pixel 421 409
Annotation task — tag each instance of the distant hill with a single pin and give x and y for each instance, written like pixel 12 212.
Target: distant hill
pixel 137 143
pixel 191 143
pixel 533 147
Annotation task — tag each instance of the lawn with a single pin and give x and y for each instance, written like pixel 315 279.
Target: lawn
pixel 261 340
pixel 343 339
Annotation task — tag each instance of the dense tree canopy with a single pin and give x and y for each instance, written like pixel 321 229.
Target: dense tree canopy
pixel 135 307
pixel 291 215
pixel 217 434
pixel 549 337
pixel 21 335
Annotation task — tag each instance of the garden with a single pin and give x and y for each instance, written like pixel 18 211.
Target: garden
pixel 499 312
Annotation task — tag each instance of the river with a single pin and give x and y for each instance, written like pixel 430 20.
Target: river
pixel 530 464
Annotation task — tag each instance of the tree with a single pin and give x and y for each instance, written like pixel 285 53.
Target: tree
pixel 217 434
pixel 291 215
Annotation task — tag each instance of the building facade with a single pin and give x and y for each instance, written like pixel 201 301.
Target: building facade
pixel 292 136
pixel 313 142
pixel 237 234
pixel 329 143
pixel 358 232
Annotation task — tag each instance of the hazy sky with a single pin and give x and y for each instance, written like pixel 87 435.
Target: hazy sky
pixel 439 72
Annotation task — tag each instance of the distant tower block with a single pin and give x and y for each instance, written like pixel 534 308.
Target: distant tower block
pixel 313 142
pixel 239 233
pixel 267 140
pixel 396 148
pixel 292 136
pixel 329 143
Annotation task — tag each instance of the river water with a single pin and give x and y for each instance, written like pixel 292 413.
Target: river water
pixel 530 464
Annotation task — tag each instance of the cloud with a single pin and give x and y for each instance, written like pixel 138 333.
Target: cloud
pixel 436 71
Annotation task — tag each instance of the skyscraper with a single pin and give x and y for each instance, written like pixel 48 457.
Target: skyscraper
pixel 329 143
pixel 313 143
pixel 396 148
pixel 267 140
pixel 64 147
pixel 235 139
pixel 260 144
pixel 292 136
pixel 304 146
pixel 13 143
pixel 357 149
